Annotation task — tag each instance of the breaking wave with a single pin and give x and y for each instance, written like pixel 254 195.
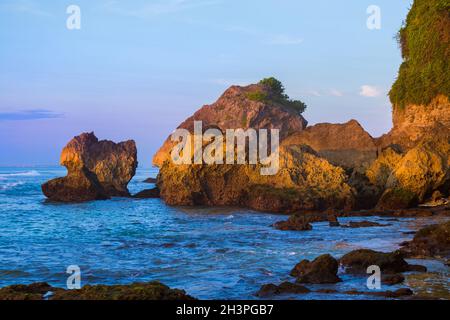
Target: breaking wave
pixel 32 173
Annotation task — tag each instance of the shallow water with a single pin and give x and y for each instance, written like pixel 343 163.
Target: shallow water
pixel 211 253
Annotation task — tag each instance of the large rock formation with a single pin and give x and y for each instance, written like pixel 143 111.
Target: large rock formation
pixel 346 145
pixel 304 181
pixel 95 170
pixel 242 107
pixel 411 177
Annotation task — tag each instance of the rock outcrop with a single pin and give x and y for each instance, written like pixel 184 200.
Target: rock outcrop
pixel 410 178
pixel 323 269
pixel 304 181
pixel 241 108
pixel 346 145
pixel 432 241
pixel 95 170
pixel 136 291
pixel 390 263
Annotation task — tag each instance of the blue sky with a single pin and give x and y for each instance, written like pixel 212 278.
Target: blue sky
pixel 136 69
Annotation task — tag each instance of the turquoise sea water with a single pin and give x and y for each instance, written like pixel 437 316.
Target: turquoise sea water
pixel 212 253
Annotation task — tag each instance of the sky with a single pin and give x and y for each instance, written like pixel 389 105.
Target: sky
pixel 136 68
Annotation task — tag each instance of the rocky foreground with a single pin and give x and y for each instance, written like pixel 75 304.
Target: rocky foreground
pixel 136 291
pixel 430 242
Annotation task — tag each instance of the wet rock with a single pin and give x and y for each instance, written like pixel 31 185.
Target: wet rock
pixel 333 221
pixel 392 279
pixel 150 180
pixel 284 288
pixel 294 223
pixel 95 170
pixel 431 241
pixel 137 291
pixel 417 268
pixel 34 291
pixel 359 260
pixel 147 194
pixel 323 269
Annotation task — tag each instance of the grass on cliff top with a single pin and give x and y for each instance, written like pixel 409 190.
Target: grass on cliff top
pixel 277 94
pixel 424 42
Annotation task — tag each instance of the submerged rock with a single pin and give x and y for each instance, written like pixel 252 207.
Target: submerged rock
pixel 364 224
pixel 284 288
pixel 95 170
pixel 323 269
pixel 359 260
pixel 392 279
pixel 136 291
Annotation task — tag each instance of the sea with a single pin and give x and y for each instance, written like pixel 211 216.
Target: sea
pixel 211 253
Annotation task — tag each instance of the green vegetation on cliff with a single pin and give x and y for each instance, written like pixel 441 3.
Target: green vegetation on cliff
pixel 277 94
pixel 424 41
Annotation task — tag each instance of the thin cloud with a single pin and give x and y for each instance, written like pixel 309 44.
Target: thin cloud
pixel 369 91
pixel 34 114
pixel 24 6
pixel 336 93
pixel 284 40
pixel 158 7
pixel 266 38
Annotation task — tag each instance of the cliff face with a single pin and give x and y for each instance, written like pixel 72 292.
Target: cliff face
pixel 96 170
pixel 414 122
pixel 241 107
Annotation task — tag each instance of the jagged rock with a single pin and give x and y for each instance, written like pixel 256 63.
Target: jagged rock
pixel 413 122
pixel 323 269
pixel 359 260
pixel 304 182
pixel 346 145
pixel 430 241
pixel 410 177
pixel 137 291
pixel 95 170
pixel 284 288
pixel 236 109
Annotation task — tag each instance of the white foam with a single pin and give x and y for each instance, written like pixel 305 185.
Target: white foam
pixel 11 185
pixel 32 173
